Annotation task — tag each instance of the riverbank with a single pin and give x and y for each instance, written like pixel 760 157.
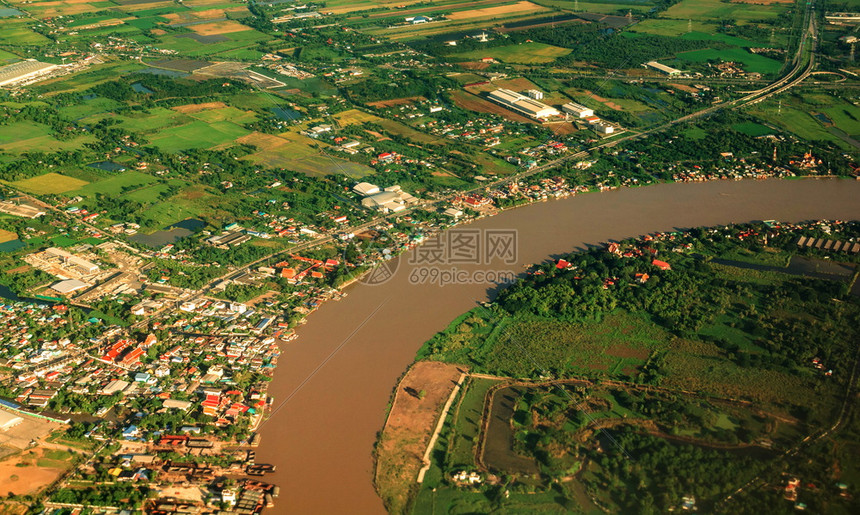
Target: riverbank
pixel 335 411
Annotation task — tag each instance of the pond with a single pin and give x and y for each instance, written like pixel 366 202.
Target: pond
pixel 804 266
pixel 8 13
pixel 170 234
pixel 285 114
pixel 107 166
pixel 164 73
pixel 499 454
pixel 6 293
pixel 140 88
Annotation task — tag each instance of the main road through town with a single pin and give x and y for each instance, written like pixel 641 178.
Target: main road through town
pixel 332 384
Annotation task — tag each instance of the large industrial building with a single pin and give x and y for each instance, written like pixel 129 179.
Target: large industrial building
pixel 9 420
pixel 668 70
pixel 391 199
pixel 523 104
pixel 577 110
pixel 24 70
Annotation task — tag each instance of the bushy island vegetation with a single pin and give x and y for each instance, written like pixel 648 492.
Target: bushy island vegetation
pixel 658 372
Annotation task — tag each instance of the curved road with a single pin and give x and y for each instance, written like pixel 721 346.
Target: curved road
pixel 332 384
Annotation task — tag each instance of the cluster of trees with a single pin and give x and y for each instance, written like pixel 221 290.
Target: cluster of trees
pixel 120 495
pixel 409 83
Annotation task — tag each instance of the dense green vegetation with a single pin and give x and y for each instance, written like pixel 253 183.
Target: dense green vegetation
pixel 689 383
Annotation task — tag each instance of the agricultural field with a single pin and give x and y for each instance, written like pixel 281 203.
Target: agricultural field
pixel 601 7
pixel 26 136
pixel 814 117
pixel 299 153
pixel 49 184
pixel 741 12
pixel 525 53
pixel 16 32
pixel 114 185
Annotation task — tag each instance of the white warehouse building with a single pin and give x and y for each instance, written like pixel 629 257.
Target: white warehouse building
pixel 577 110
pixel 523 104
pixel 24 70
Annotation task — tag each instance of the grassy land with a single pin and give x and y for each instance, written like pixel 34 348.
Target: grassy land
pixel 719 10
pixel 49 183
pixel 26 136
pixel 752 62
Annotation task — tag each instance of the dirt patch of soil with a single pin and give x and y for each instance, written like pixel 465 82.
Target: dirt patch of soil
pixel 219 27
pixel 622 351
pixel 475 65
pixel 396 101
pixel 494 11
pixel 413 416
pixel 474 103
pixel 20 474
pixel 196 108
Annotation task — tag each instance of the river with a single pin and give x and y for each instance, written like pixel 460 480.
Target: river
pixel 332 403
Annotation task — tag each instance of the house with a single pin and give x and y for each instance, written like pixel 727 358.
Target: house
pixel 662 265
pixel 562 264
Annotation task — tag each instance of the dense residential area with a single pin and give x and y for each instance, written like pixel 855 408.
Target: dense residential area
pixel 189 189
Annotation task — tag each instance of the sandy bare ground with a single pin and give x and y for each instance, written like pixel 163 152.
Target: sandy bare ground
pixel 474 103
pixel 400 451
pixel 263 141
pixel 20 475
pixel 396 101
pixel 494 11
pixel 196 108
pixel 219 27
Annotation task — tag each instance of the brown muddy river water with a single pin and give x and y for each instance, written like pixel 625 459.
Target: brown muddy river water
pixel 322 437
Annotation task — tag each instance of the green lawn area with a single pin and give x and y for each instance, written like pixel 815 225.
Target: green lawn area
pixel 795 119
pixel 525 53
pixel 8 57
pixel 114 185
pixel 752 129
pixel 845 116
pixel 88 108
pixel 235 40
pixel 197 134
pixel 49 183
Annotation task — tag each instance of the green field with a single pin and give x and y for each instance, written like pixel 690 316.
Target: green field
pixel 605 7
pixel 235 40
pixel 796 117
pixel 752 129
pixel 87 108
pixel 27 136
pixel 15 32
pixel 525 53
pixel 85 80
pixel 751 62
pixel 197 134
pixel 49 183
pixel 720 10
pixel 116 184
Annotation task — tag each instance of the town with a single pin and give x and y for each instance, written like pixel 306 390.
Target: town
pixel 182 185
